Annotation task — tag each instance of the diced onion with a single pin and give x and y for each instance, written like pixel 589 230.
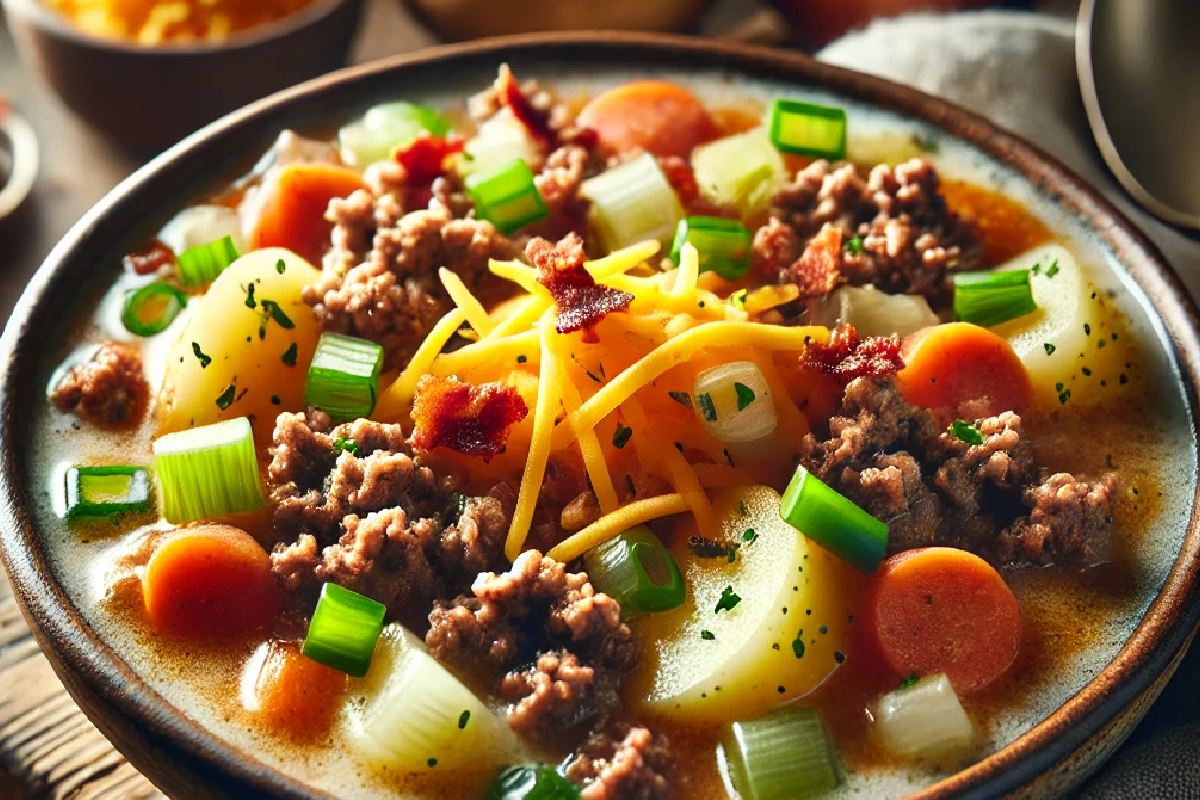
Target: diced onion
pixel 742 171
pixel 926 722
pixel 632 203
pixel 872 312
pixel 384 127
pixel 499 141
pixel 734 402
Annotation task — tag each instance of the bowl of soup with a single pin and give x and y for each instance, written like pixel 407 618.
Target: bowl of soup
pixel 605 416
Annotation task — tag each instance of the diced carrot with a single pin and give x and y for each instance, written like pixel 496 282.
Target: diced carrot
pixel 289 209
pixel 659 117
pixel 937 609
pixel 210 581
pixel 945 365
pixel 294 694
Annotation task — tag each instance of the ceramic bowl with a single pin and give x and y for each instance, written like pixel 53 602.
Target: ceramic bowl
pixel 146 98
pixel 1067 736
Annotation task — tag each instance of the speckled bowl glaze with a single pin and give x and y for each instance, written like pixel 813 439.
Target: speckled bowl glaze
pixel 187 759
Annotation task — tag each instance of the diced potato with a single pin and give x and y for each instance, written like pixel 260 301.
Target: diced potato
pixel 874 313
pixel 782 639
pixel 1074 345
pixel 249 350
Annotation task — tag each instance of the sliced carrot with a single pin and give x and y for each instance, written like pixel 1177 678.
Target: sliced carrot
pixel 294 694
pixel 289 209
pixel 945 365
pixel 210 581
pixel 657 116
pixel 937 609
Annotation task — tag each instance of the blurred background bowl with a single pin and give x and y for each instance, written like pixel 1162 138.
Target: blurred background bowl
pixel 461 20
pixel 147 97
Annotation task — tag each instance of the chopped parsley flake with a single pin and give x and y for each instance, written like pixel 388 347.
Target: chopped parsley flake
pixel 464 718
pixel 1087 329
pixel 741 509
pixel 683 398
pixel 1064 396
pixel 1049 348
pixel 275 400
pixel 250 297
pixel 1087 372
pixel 205 360
pixel 522 359
pixel 1052 270
pixel 729 600
pixel 911 680
pixel 1035 269
pixel 966 432
pixel 926 143
pixel 798 645
pixel 745 395
pixel 854 246
pixel 348 445
pixel 749 535
pixel 281 319
pixel 707 409
pixel 702 547
pixel 733 551
pixel 621 436
pixel 281 266
pixel 707 635
pixel 432 762
pixel 226 398
pixel 289 355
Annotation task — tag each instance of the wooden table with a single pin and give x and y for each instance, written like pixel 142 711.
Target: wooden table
pixel 48 749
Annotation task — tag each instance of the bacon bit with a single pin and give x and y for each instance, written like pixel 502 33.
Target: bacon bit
pixel 581 301
pixel 818 271
pixel 423 157
pixel 151 259
pixel 847 356
pixel 469 419
pixel 535 121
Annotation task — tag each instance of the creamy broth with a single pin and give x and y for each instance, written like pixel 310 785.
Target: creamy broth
pixel 1074 623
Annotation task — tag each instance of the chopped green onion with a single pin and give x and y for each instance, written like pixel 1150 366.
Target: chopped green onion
pixel 782 754
pixel 344 630
pixel 101 491
pixel 385 127
pixel 833 522
pixel 925 721
pixel 966 432
pixel 723 245
pixel 735 403
pixel 632 203
pixel 208 472
pixel 506 196
pixel 637 571
pixel 152 308
pixel 808 129
pixel 532 782
pixel 201 265
pixel 742 171
pixel 343 379
pixel 990 298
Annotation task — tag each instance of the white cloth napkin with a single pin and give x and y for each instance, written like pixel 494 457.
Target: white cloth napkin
pixel 1019 70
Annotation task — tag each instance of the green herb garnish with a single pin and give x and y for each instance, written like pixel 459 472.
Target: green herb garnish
pixel 798 645
pixel 250 296
pixel 749 535
pixel 702 547
pixel 911 680
pixel 289 355
pixel 348 445
pixel 729 600
pixel 226 398
pixel 280 266
pixel 707 635
pixel 464 718
pixel 683 398
pixel 854 246
pixel 707 409
pixel 1049 348
pixel 205 360
pixel 745 395
pixel 966 432
pixel 1052 270
pixel 621 436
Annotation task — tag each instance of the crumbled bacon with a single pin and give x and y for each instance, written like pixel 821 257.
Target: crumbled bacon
pixel 535 121
pixel 581 301
pixel 424 156
pixel 818 271
pixel 847 356
pixel 469 419
pixel 679 174
pixel 151 259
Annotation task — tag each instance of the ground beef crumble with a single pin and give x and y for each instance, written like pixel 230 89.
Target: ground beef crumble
pixel 892 230
pixel 894 460
pixel 623 762
pixel 108 389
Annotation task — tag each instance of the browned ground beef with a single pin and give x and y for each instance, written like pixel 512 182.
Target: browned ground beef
pixel 892 459
pixel 571 636
pixel 108 389
pixel 895 229
pixel 623 762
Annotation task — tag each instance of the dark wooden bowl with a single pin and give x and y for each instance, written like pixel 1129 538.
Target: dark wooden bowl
pixel 147 98
pixel 185 759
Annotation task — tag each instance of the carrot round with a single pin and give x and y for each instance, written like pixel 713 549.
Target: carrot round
pixel 657 116
pixel 938 609
pixel 945 365
pixel 210 581
pixel 289 210
pixel 294 694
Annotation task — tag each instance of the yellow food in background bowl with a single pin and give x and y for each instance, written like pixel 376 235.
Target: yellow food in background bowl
pixel 152 22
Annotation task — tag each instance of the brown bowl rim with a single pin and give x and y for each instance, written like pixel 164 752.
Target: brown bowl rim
pixel 47 19
pixel 88 663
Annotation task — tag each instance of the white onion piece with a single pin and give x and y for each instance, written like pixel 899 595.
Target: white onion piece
pixel 200 225
pixel 874 313
pixel 743 170
pixel 719 391
pixel 632 203
pixel 498 141
pixel 925 722
pixel 413 710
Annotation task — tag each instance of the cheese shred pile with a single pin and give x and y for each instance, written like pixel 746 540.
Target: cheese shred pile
pixel 619 391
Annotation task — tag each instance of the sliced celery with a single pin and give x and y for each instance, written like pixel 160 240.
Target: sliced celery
pixel 208 472
pixel 784 754
pixel 637 571
pixel 344 630
pixel 926 722
pixel 834 522
pixel 101 491
pixel 343 378
pixel 632 203
pixel 742 171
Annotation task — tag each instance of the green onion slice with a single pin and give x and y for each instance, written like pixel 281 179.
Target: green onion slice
pixel 632 203
pixel 507 196
pixel 531 782
pixel 990 298
pixel 201 265
pixel 344 630
pixel 782 754
pixel 637 571
pixel 152 308
pixel 808 129
pixel 343 379
pixel 102 491
pixel 723 245
pixel 833 522
pixel 208 472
